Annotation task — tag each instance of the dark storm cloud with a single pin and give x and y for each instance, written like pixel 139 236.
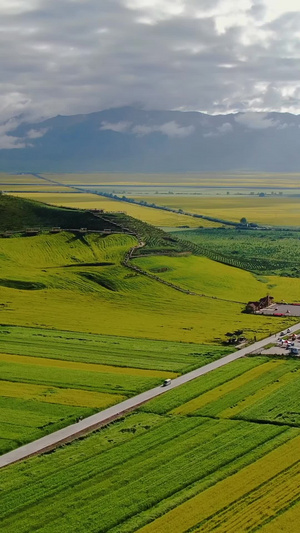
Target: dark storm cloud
pixel 77 56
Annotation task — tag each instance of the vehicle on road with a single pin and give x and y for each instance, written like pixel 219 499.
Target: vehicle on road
pixel 294 351
pixel 166 382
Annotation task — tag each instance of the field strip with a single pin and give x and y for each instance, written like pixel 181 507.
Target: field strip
pixel 288 521
pixel 87 367
pixel 104 417
pixel 258 506
pixel 219 391
pixel 226 492
pixel 73 397
pixel 267 390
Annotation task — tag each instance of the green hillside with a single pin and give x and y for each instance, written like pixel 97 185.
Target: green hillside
pixel 18 214
pixel 78 282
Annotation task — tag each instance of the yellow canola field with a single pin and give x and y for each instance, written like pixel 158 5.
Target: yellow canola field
pixel 286 522
pixel 85 367
pixel 73 397
pixel 156 217
pixel 16 179
pixel 272 210
pixel 258 507
pixel 39 188
pixel 243 504
pixel 204 179
pixel 229 386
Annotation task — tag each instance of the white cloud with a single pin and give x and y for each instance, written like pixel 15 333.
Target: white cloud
pixel 17 6
pixel 120 127
pixel 79 56
pixel 170 129
pixel 225 128
pixel 276 8
pixel 257 121
pixel 155 10
pixel 9 141
pixel 36 134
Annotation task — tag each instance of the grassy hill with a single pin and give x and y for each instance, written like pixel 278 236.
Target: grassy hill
pixel 78 282
pixel 18 213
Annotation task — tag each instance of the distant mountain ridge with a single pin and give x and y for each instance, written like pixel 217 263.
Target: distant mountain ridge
pixel 130 139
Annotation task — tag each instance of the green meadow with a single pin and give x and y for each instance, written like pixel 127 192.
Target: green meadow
pixel 73 282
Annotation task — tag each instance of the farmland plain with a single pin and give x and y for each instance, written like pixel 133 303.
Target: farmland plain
pixel 269 210
pixel 206 179
pixel 91 201
pixel 81 331
pixel 265 199
pixel 220 470
pixel 51 378
pixel 47 378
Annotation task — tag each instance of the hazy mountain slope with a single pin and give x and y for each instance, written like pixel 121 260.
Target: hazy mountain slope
pixel 130 139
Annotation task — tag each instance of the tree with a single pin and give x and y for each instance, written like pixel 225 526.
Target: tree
pixel 244 221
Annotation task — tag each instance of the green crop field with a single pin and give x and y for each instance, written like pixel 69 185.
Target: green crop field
pixel 52 381
pixel 261 251
pixel 58 376
pixel 49 378
pixel 256 389
pixel 191 460
pixel 109 350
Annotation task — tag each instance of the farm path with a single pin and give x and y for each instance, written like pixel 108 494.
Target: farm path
pixel 107 415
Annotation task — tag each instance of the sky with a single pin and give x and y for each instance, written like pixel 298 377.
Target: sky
pixel 215 56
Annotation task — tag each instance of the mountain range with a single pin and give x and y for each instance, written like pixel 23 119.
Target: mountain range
pixel 129 139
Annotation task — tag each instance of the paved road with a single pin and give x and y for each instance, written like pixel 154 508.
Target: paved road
pixel 92 422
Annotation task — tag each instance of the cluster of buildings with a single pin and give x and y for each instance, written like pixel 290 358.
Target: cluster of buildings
pixel 253 307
